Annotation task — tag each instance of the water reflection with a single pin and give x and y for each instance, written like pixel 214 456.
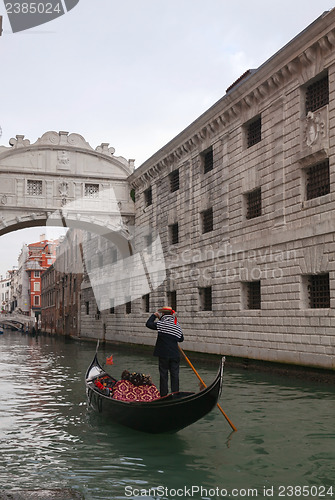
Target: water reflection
pixel 49 437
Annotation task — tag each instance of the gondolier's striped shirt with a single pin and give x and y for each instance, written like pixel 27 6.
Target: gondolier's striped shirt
pixel 167 326
pixel 169 334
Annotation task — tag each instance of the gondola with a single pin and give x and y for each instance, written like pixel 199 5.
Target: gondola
pixel 170 413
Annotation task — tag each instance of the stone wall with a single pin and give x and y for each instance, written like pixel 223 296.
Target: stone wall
pixel 290 242
pixel 248 252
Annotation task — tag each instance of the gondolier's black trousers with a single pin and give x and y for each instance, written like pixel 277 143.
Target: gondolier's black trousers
pixel 167 365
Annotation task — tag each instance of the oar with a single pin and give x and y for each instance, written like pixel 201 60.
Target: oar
pixel 203 383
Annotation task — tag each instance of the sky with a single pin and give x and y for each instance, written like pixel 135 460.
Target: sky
pixel 133 73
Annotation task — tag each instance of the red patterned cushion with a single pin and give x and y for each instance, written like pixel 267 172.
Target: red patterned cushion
pixel 124 390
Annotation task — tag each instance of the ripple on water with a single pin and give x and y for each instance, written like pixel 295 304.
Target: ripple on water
pixel 49 437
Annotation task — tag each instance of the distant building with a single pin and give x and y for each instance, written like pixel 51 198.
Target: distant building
pixel 48 300
pixel 61 288
pixel 5 292
pixel 41 256
pixel 26 280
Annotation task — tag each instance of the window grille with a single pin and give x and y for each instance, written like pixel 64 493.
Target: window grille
pixel 207 220
pixel 91 190
pixel 97 314
pixel 148 197
pixel 254 295
pixel 254 203
pixel 205 298
pixel 208 161
pixel 254 132
pixel 174 181
pixel 318 180
pixel 172 299
pixel 34 188
pixel 174 234
pixel 319 291
pixel 317 95
pixel 146 302
pixel 128 306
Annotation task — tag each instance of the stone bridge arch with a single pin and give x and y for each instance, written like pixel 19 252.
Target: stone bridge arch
pixel 60 180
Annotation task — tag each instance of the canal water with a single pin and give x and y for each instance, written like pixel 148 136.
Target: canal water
pixel 284 446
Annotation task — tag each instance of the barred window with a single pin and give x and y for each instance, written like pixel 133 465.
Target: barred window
pixel 253 289
pixel 207 220
pixel 319 291
pixel 208 160
pixel 174 181
pixel 172 299
pixel 146 302
pixel 91 190
pixel 317 94
pixel 318 180
pixel 254 203
pixel 254 132
pixel 148 197
pixel 174 234
pixel 34 188
pixel 205 295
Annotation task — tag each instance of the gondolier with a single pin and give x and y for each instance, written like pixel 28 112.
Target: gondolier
pixel 166 348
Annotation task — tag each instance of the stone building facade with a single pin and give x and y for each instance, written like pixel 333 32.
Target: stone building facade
pixel 61 288
pixel 48 302
pixel 242 205
pixel 244 201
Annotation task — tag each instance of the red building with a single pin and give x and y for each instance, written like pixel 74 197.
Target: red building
pixel 41 256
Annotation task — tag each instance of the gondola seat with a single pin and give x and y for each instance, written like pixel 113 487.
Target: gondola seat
pixel 124 390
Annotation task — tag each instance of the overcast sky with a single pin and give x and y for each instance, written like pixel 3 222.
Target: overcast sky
pixel 134 73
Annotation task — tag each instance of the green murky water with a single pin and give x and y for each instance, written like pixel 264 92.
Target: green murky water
pixel 284 447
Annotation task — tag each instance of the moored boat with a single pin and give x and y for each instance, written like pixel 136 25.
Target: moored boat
pixel 170 413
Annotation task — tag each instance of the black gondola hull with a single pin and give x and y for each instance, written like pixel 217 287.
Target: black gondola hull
pixel 168 414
